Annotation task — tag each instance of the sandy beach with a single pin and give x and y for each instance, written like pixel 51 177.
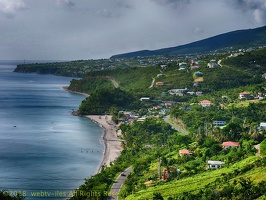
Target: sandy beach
pixel 84 94
pixel 112 143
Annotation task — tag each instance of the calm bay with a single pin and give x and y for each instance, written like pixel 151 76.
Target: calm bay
pixel 45 152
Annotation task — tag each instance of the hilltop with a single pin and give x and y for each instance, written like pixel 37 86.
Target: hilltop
pixel 235 39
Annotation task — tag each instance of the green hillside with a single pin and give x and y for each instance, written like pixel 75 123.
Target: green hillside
pixel 222 180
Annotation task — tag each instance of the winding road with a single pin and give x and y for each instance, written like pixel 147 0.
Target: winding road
pixel 117 185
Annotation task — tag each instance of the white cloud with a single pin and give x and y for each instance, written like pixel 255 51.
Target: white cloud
pixel 259 16
pixel 9 8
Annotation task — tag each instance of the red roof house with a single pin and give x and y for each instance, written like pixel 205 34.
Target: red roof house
pixel 244 95
pixel 184 152
pixel 230 144
pixel 159 83
pixel 205 103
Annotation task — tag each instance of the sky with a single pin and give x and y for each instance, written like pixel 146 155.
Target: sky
pixel 95 29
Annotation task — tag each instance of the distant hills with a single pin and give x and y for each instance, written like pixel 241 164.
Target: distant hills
pixel 238 39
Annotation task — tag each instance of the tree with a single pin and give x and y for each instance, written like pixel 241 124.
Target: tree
pixel 157 196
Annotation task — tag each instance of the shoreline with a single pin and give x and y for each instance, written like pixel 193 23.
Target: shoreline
pixel 112 145
pixel 81 93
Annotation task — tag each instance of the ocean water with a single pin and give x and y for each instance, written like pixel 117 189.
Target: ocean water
pixel 45 152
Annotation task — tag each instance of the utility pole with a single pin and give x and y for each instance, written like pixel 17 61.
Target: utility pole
pixel 159 168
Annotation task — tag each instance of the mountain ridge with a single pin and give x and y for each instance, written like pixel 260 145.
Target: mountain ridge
pixel 236 38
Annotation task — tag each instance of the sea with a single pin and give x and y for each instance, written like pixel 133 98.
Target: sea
pixel 45 152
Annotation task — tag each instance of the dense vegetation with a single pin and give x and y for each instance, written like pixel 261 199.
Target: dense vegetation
pixel 89 85
pixel 107 100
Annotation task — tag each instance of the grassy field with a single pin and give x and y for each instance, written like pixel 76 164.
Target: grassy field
pixel 199 181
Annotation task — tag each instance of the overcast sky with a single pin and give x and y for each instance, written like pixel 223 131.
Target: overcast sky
pixel 93 29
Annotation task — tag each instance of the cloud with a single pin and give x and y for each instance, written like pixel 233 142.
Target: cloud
pixel 102 28
pixel 66 3
pixel 260 16
pixel 257 7
pixel 9 8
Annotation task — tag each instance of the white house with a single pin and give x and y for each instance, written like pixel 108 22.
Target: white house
pixel 212 64
pixel 213 164
pixel 263 125
pixel 179 92
pixel 182 68
pixel 219 123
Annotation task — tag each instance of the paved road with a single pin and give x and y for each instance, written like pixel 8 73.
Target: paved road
pixel 118 184
pixel 152 83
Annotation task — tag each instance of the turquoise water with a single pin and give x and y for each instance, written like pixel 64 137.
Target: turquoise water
pixel 43 148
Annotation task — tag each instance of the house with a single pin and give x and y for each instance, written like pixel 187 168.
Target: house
pixel 198 73
pixel 244 95
pixel 184 152
pixel 142 119
pixel 179 92
pixel 259 96
pixel 263 126
pixel 163 66
pixel 230 144
pixel 213 164
pixel 212 64
pixel 205 103
pixel 191 93
pixel 159 83
pixel 199 93
pixel 157 107
pixel 163 111
pixel 196 84
pixel 186 108
pixel 195 67
pixel 218 123
pixel 182 68
pixel 167 104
